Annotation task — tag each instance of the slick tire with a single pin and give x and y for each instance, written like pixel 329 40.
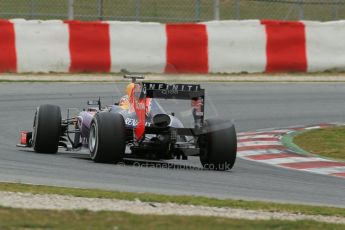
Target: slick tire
pixel 218 147
pixel 107 139
pixel 47 129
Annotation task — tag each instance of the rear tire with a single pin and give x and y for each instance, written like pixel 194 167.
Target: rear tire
pixel 218 147
pixel 107 139
pixel 47 129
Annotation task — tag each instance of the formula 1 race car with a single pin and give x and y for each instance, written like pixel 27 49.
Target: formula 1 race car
pixel 139 124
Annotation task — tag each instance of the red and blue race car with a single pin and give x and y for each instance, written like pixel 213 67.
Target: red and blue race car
pixel 137 127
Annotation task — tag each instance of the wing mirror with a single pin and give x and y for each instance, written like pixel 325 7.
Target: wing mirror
pixel 91 102
pixel 94 102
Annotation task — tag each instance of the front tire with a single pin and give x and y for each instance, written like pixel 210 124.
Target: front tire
pixel 107 139
pixel 47 129
pixel 218 147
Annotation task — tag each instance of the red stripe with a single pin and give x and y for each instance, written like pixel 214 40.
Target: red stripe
pixel 89 46
pixel 286 46
pixel 273 156
pixel 324 126
pixel 245 148
pixel 339 174
pixel 187 48
pixel 312 164
pixel 258 139
pixel 8 57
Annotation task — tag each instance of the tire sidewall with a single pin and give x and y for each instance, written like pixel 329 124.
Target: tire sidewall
pixel 109 138
pixel 219 145
pixel 94 149
pixel 47 129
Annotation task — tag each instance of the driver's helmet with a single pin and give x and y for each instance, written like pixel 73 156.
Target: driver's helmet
pixel 129 89
pixel 124 102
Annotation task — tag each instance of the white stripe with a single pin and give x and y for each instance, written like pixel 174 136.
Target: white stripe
pixel 256 136
pixel 278 132
pixel 327 170
pixel 258 143
pixel 313 127
pixel 286 160
pixel 325 45
pixel 138 47
pixel 236 46
pixel 42 46
pixel 258 152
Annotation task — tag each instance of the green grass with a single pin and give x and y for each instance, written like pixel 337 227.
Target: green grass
pixel 43 219
pixel 329 142
pixel 167 10
pixel 191 200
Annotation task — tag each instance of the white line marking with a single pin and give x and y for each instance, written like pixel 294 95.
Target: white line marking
pixel 286 160
pixel 313 127
pixel 259 152
pixel 278 131
pixel 256 136
pixel 329 170
pixel 258 143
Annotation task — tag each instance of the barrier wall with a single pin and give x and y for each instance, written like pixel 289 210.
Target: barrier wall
pixel 211 47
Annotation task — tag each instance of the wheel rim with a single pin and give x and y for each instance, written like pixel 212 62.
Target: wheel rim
pixel 92 140
pixel 34 130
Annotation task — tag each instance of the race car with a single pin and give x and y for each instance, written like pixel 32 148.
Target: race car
pixel 137 127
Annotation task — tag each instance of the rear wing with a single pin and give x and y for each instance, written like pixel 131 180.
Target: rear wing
pixel 147 90
pixel 191 92
pixel 173 91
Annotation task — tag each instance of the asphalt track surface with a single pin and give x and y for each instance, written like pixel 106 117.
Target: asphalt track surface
pixel 251 105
